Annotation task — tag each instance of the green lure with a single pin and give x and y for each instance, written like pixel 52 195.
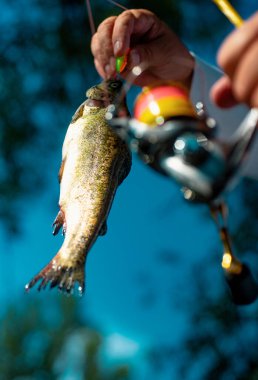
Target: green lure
pixel 121 63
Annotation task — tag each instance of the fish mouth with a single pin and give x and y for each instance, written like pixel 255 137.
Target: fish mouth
pixel 98 93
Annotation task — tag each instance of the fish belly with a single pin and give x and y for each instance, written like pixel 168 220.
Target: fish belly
pixel 95 161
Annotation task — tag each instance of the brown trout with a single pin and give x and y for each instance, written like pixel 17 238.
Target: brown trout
pixel 95 161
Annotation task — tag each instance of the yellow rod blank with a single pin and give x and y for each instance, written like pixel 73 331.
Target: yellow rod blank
pixel 227 9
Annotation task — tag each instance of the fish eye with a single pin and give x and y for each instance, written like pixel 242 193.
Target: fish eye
pixel 114 84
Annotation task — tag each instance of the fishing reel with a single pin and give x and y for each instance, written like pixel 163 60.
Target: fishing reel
pixel 179 141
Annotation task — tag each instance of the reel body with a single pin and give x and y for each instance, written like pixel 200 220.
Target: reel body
pixel 179 141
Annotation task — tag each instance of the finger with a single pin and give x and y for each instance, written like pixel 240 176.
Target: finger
pixel 245 78
pixel 136 23
pixel 254 97
pixel 222 94
pixel 108 72
pixel 236 44
pixel 100 69
pixel 101 43
pixel 178 57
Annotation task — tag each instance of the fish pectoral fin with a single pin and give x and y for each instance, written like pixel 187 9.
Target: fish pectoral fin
pixel 59 222
pixel 61 170
pixel 78 113
pixel 103 229
pixel 126 166
pixel 58 273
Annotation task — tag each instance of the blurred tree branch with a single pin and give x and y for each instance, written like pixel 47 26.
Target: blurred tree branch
pixel 221 342
pixel 46 340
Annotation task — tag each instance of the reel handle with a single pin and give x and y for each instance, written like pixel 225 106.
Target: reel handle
pixel 243 287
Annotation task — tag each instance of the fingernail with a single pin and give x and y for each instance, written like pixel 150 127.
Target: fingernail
pixel 107 69
pixel 134 57
pixel 117 46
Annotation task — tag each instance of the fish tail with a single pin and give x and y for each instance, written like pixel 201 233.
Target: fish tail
pixel 59 274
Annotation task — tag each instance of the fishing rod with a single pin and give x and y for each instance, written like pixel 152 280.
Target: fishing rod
pixel 179 141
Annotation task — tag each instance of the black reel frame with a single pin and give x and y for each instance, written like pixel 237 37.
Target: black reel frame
pixel 186 150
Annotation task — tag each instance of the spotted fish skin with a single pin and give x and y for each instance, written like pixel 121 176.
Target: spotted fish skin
pixel 95 161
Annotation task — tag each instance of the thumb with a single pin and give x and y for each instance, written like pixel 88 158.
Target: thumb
pixel 222 94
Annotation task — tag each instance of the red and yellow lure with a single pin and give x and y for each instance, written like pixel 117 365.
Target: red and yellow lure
pixel 162 101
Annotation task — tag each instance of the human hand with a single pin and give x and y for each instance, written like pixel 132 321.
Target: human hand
pixel 238 57
pixel 151 43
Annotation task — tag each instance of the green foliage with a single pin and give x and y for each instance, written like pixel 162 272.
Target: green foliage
pixel 44 340
pixel 45 65
pixel 245 235
pixel 169 11
pixel 221 342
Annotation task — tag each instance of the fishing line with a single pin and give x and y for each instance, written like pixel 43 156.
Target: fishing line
pixel 90 16
pixel 118 5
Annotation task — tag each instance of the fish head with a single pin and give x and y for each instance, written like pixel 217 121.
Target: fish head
pixel 105 91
